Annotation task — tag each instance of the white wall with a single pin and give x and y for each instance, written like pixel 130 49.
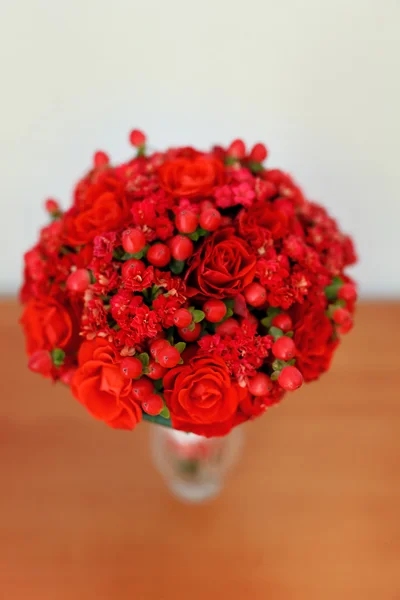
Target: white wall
pixel 317 80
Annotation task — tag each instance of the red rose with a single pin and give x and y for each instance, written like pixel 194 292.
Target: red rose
pixel 191 177
pixel 201 396
pixel 101 387
pixel 313 333
pixel 262 221
pixel 100 206
pixel 47 325
pixel 223 267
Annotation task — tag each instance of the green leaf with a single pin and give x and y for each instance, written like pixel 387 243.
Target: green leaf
pixel 230 160
pixel 159 420
pixel 275 332
pixel 194 236
pixel 275 375
pixel 273 311
pixel 144 359
pixel 198 316
pixel 266 321
pixel 289 334
pixel 331 290
pixel 177 266
pixel 202 232
pixel 278 365
pixel 255 167
pixel 57 356
pixel 291 362
pixel 137 255
pixel 229 303
pixel 158 385
pixel 180 346
pixel 165 414
pixel 229 313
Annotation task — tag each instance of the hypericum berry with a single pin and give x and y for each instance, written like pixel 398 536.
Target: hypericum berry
pixel 205 205
pixel 255 294
pixel 153 404
pixel 131 367
pixel 168 357
pixel 52 206
pixel 132 267
pixel 228 327
pixel 137 138
pixel 290 378
pixel 182 317
pixel 341 316
pixel 133 240
pixel 258 153
pixel 157 346
pixel 159 255
pixel 215 310
pixel 155 370
pixel 237 149
pixel 348 292
pixel 78 281
pixel 186 221
pixel 142 388
pixel 282 321
pixel 100 159
pixel 284 348
pixel 181 247
pixel 260 385
pixel 40 362
pixel 210 219
pixel 190 335
pixel 345 327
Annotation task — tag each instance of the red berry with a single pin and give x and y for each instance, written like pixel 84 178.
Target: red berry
pixel 159 255
pixel 190 335
pixel 348 292
pixel 341 316
pixel 40 362
pixel 182 317
pixel 153 405
pixel 205 205
pixel 258 153
pixel 237 149
pixel 78 281
pixel 290 378
pixel 228 327
pixel 137 138
pixel 155 370
pixel 215 310
pixel 132 267
pixel 186 221
pixel 210 219
pixel 157 346
pixel 284 348
pixel 100 159
pixel 255 294
pixel 181 247
pixel 133 240
pixel 282 321
pixel 131 367
pixel 168 357
pixel 345 327
pixel 260 385
pixel 52 206
pixel 142 388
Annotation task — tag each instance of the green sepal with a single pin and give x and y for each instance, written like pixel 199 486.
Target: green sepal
pixel 275 375
pixel 165 414
pixel 194 236
pixel 230 160
pixel 198 315
pixel 278 365
pixel 255 167
pixel 137 255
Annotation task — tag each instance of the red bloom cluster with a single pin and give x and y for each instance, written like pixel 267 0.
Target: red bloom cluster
pixel 188 288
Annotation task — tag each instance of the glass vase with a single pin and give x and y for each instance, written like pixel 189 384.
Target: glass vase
pixel 194 467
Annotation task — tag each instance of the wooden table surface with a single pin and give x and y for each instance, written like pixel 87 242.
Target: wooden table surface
pixel 311 512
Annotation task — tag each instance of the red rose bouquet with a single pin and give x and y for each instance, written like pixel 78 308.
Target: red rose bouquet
pixel 188 288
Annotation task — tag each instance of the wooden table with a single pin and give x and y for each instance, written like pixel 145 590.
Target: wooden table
pixel 311 512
